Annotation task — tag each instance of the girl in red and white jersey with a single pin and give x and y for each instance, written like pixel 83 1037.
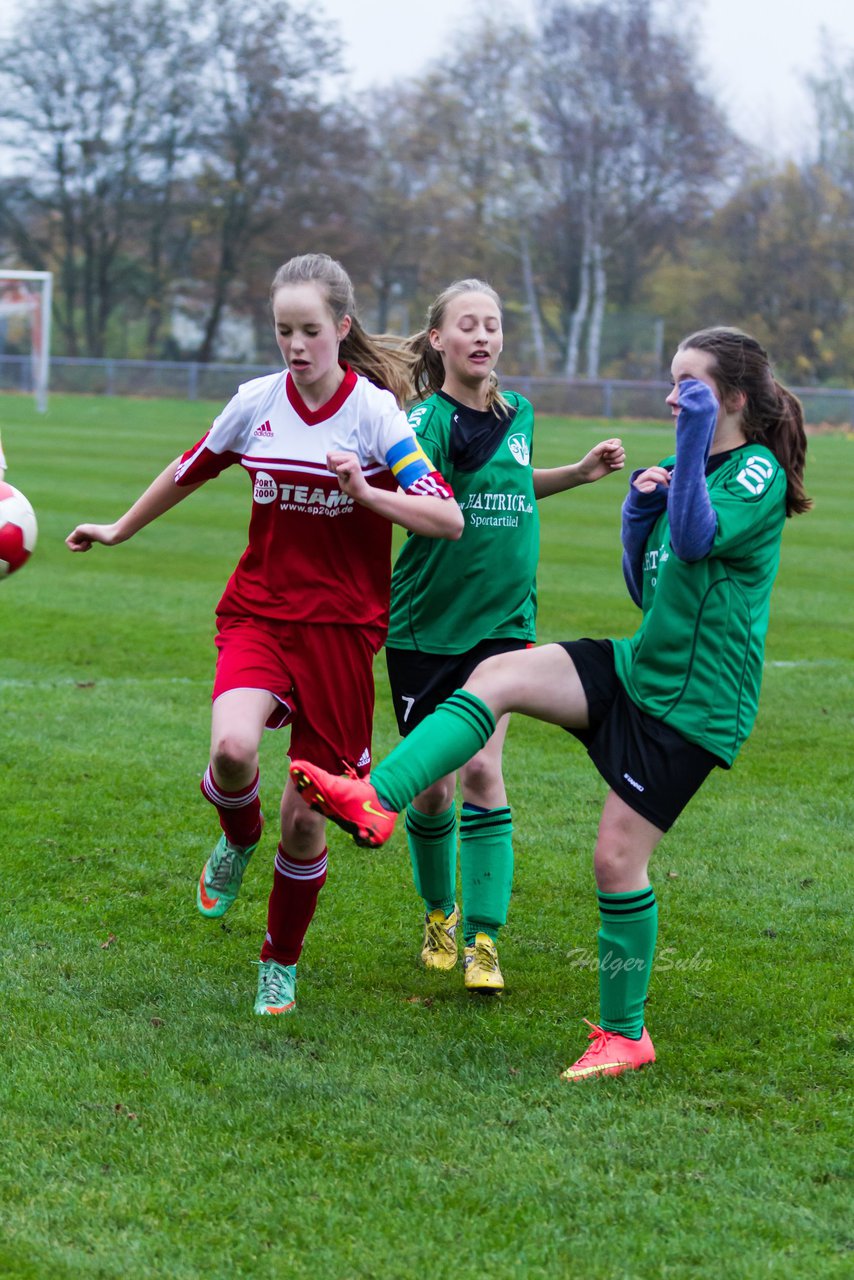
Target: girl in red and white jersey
pixel 333 463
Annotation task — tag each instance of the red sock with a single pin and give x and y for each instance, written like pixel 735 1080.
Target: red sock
pixel 292 904
pixel 239 811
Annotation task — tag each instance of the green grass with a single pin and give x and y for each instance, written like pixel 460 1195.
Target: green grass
pixel 153 1127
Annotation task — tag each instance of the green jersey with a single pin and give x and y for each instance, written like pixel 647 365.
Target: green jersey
pixel 446 597
pixel 696 660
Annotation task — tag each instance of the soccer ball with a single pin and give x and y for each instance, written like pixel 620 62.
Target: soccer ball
pixel 18 529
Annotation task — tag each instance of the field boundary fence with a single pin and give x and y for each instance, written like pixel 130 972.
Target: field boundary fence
pixel 590 398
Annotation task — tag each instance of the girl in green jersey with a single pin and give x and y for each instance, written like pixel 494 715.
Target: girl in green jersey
pixel 658 711
pixel 450 611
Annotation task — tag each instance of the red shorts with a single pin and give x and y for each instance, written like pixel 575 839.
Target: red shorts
pixel 320 674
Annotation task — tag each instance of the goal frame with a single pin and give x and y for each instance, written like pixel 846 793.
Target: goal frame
pixel 38 306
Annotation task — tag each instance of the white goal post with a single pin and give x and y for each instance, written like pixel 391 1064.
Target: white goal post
pixel 30 294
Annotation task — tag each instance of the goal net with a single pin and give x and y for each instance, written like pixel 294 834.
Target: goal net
pixel 25 307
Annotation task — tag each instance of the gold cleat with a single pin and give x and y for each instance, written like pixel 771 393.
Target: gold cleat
pixel 482 971
pixel 440 939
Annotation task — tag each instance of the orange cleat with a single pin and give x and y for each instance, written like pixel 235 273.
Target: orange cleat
pixel 350 801
pixel 610 1054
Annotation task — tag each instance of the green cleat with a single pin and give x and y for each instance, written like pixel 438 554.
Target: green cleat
pixel 276 983
pixel 222 875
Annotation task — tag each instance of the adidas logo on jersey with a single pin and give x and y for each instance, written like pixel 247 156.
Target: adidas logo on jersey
pixel 364 758
pixel 265 431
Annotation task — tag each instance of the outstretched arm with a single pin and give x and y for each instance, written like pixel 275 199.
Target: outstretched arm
pixel 693 521
pixel 603 459
pixel 432 516
pixel 160 496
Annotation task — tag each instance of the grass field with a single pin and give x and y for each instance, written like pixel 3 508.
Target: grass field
pixel 152 1126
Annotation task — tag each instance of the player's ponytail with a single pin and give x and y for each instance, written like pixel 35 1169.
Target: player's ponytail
pixel 381 358
pixel 788 442
pixel 772 415
pixel 429 369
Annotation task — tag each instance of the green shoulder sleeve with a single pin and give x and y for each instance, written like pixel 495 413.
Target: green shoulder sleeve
pixel 749 494
pixel 428 422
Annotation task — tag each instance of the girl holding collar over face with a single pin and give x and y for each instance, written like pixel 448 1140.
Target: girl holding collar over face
pixel 656 711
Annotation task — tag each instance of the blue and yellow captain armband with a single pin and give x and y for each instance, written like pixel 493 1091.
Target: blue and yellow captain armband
pixel 408 462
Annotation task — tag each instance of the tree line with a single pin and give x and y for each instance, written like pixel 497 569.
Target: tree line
pixel 164 150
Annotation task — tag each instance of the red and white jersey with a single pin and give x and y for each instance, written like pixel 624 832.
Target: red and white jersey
pixel 314 555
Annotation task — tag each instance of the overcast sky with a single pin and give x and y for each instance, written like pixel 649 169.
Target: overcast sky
pixel 756 51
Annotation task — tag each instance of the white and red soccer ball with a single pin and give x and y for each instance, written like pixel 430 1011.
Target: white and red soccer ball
pixel 18 529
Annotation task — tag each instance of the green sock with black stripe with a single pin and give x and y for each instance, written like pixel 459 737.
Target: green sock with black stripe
pixel 486 868
pixel 627 935
pixel 432 840
pixel 456 731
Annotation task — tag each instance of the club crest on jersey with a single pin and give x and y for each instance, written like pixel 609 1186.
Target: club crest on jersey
pixel 755 474
pixel 265 488
pixel 519 448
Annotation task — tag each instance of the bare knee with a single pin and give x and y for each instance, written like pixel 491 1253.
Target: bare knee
pixel 624 844
pixel 303 826
pixel 233 755
pixel 616 869
pixel 303 830
pixel 437 798
pixel 488 681
pixel 482 781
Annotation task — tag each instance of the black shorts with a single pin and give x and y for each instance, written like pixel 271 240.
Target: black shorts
pixel 649 765
pixel 420 681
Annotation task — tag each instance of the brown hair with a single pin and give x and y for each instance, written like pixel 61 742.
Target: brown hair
pixel 429 371
pixel 772 415
pixel 381 358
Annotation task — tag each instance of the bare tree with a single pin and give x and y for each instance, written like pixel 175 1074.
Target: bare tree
pixel 464 152
pixel 398 211
pixel 264 122
pixel 153 139
pixel 832 91
pixel 635 144
pixel 83 112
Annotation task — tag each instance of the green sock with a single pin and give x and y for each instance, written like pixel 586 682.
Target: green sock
pixel 627 934
pixel 456 731
pixel 432 840
pixel 486 867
